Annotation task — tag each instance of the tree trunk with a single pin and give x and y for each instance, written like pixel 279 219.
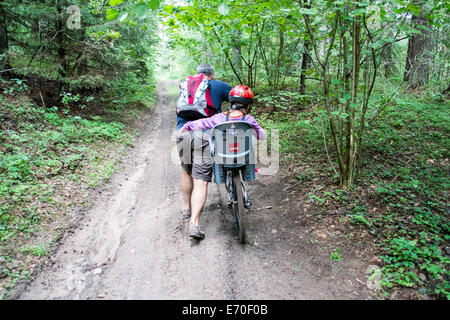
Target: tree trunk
pixel 279 59
pixel 60 38
pixel 306 59
pixel 389 64
pixel 350 158
pixel 4 60
pixel 419 56
pixel 304 67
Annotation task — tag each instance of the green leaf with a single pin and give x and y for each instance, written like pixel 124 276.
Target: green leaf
pixel 308 11
pixel 140 10
pixel 317 20
pixel 169 9
pixel 113 3
pixel 414 9
pixel 335 81
pixel 358 12
pixel 154 4
pixel 112 14
pixel 281 20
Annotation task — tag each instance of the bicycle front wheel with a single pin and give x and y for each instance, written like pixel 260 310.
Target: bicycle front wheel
pixel 238 206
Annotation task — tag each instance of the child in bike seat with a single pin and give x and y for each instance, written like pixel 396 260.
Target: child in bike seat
pixel 241 99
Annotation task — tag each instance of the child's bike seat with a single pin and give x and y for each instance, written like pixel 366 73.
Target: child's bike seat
pixel 232 144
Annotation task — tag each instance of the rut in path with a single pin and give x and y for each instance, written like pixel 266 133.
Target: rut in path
pixel 133 244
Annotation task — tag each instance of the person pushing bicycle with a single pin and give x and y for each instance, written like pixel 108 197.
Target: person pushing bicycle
pixel 241 99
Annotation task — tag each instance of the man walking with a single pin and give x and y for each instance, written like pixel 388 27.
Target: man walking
pixel 197 170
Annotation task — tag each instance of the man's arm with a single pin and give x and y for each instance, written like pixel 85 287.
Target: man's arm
pixel 226 91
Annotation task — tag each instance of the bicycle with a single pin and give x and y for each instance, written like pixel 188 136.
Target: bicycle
pixel 232 165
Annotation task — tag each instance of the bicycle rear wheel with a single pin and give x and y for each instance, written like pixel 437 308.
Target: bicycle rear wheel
pixel 238 207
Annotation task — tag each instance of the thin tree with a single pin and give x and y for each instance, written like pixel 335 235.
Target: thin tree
pixel 419 55
pixel 4 46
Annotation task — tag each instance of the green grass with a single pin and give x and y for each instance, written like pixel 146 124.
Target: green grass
pixel 39 250
pixel 336 254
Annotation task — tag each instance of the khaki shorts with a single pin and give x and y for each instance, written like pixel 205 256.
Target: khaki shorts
pixel 195 155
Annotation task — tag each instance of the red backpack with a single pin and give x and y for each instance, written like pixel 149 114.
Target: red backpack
pixel 194 101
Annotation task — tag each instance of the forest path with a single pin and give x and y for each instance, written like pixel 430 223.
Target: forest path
pixel 133 243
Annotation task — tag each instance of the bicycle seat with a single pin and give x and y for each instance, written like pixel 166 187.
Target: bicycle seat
pixel 232 143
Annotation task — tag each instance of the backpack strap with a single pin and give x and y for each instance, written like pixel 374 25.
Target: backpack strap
pixel 243 117
pixel 208 97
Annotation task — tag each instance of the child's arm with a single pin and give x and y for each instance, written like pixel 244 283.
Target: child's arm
pixel 260 132
pixel 205 123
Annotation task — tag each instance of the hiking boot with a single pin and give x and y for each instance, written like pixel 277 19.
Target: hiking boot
pixel 195 232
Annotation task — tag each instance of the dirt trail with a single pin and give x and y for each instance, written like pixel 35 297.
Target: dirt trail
pixel 133 244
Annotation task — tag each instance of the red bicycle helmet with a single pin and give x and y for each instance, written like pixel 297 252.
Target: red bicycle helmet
pixel 240 94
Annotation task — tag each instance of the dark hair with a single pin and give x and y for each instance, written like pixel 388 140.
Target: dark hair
pixel 244 108
pixel 206 69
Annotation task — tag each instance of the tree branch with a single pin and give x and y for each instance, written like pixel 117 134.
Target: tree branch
pixel 226 54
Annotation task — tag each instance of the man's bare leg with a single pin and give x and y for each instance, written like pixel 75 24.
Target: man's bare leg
pixel 198 199
pixel 186 185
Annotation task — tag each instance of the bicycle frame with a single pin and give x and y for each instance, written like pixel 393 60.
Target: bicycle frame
pixel 230 190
